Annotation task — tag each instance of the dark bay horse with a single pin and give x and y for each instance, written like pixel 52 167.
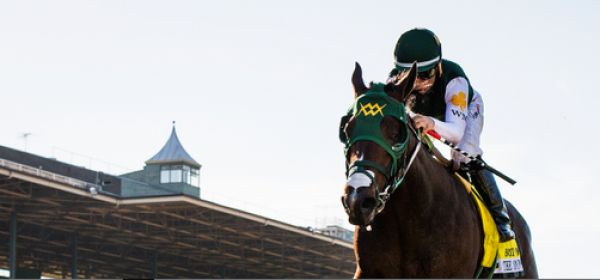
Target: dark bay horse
pixel 413 217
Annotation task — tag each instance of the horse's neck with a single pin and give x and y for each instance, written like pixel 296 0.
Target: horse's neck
pixel 429 191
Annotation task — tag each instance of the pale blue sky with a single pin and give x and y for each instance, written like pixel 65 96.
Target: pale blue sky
pixel 257 89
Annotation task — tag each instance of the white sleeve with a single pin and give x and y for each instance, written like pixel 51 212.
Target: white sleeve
pixel 457 93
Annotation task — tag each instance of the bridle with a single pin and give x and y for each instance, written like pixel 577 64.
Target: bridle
pixel 392 185
pixel 370 130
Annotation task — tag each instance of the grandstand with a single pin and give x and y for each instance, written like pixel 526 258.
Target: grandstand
pixel 65 221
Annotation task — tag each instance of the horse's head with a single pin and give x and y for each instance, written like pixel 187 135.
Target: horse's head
pixel 376 134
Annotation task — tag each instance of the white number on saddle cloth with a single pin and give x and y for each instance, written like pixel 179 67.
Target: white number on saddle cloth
pixel 509 259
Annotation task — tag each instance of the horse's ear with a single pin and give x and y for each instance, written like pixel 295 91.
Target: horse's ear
pixel 357 81
pixel 404 87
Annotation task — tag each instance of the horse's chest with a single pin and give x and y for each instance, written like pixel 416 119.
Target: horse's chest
pixel 426 257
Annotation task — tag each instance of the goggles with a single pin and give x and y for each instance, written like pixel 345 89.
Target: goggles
pixel 426 75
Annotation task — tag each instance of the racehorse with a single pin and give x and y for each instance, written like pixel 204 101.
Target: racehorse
pixel 414 218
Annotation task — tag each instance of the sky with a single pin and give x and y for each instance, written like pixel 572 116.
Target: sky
pixel 257 89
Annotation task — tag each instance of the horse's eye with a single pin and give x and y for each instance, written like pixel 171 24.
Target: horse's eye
pixel 396 137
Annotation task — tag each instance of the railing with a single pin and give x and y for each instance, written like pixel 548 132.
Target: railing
pixel 88 162
pixel 42 173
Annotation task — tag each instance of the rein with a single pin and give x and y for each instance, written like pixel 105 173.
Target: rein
pixel 383 197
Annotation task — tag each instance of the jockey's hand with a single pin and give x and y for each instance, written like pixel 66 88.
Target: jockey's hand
pixel 424 122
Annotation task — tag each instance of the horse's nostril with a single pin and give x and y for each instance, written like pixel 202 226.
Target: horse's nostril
pixel 368 203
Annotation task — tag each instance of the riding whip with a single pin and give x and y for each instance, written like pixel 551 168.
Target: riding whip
pixel 479 161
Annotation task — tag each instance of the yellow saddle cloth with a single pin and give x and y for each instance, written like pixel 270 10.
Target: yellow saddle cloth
pixel 506 256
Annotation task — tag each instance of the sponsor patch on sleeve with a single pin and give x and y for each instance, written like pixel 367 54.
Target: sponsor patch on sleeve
pixel 459 100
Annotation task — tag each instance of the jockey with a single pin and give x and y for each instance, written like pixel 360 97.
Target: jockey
pixel 444 101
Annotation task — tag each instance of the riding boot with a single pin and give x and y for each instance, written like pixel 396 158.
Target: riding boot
pixel 486 184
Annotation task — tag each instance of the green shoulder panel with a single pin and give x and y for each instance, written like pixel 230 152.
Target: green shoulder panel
pixel 450 71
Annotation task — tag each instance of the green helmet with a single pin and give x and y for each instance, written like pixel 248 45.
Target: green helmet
pixel 419 45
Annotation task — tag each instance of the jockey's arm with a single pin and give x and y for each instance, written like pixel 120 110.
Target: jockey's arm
pixel 456 96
